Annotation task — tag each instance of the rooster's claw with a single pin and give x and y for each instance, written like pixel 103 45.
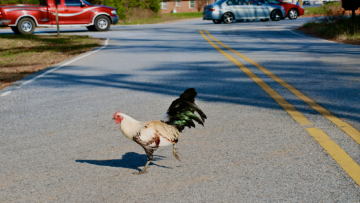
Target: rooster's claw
pixel 139 173
pixel 177 156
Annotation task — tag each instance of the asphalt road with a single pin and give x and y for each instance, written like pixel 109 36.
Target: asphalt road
pixel 58 142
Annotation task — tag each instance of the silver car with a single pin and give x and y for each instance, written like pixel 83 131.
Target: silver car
pixel 229 10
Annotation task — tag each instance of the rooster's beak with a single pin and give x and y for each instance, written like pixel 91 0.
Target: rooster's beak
pixel 113 118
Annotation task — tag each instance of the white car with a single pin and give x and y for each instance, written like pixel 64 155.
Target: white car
pixel 229 10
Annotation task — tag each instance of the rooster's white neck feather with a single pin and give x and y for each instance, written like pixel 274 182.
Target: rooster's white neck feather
pixel 129 126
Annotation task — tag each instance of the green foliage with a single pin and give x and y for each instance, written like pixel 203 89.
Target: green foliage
pixel 154 5
pixel 335 27
pixel 134 4
pixel 117 4
pixel 127 7
pixel 140 5
pixel 334 23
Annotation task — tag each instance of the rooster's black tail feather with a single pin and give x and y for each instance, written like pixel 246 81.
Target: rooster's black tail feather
pixel 181 112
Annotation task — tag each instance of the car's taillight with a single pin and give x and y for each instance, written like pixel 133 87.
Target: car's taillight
pixel 211 9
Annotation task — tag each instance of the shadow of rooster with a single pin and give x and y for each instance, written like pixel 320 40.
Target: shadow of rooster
pixel 129 160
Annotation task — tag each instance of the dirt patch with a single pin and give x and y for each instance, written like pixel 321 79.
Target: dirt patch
pixel 24 55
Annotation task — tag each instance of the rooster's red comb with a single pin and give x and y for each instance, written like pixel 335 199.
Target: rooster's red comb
pixel 116 113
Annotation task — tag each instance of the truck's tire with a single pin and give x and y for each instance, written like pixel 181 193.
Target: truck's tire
pixel 91 28
pixel 15 29
pixel 102 23
pixel 26 26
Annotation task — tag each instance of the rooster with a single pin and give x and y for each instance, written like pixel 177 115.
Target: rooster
pixel 153 134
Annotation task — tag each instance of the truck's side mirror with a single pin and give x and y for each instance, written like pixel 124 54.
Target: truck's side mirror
pixel 82 4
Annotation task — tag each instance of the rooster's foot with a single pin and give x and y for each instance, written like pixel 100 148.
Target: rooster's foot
pixel 144 169
pixel 138 173
pixel 175 153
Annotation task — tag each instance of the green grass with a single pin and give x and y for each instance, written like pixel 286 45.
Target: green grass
pixel 322 10
pixel 185 15
pixel 314 11
pixel 159 18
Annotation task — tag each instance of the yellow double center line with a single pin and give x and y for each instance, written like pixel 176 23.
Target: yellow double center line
pixel 334 150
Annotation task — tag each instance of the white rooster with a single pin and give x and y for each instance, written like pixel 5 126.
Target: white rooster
pixel 153 134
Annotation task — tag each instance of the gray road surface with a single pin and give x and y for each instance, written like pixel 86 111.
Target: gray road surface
pixel 59 144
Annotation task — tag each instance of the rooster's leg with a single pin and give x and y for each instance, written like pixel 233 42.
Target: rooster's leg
pixel 175 153
pixel 149 152
pixel 144 169
pixel 148 149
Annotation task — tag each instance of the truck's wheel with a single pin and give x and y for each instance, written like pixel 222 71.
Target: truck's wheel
pixel 15 29
pixel 26 26
pixel 91 28
pixel 102 23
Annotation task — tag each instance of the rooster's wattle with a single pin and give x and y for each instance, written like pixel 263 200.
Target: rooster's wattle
pixel 153 134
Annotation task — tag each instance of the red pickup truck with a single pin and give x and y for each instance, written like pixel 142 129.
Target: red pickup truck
pixel 24 18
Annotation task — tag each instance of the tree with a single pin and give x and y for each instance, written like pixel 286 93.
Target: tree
pixel 201 3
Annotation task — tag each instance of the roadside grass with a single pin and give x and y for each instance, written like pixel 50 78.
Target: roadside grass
pixel 149 17
pixel 21 55
pixel 185 15
pixel 334 24
pixel 315 11
pixel 326 9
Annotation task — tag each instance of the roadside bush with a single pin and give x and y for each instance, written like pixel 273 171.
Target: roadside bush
pixel 154 5
pixel 138 15
pixel 335 24
pixel 126 8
